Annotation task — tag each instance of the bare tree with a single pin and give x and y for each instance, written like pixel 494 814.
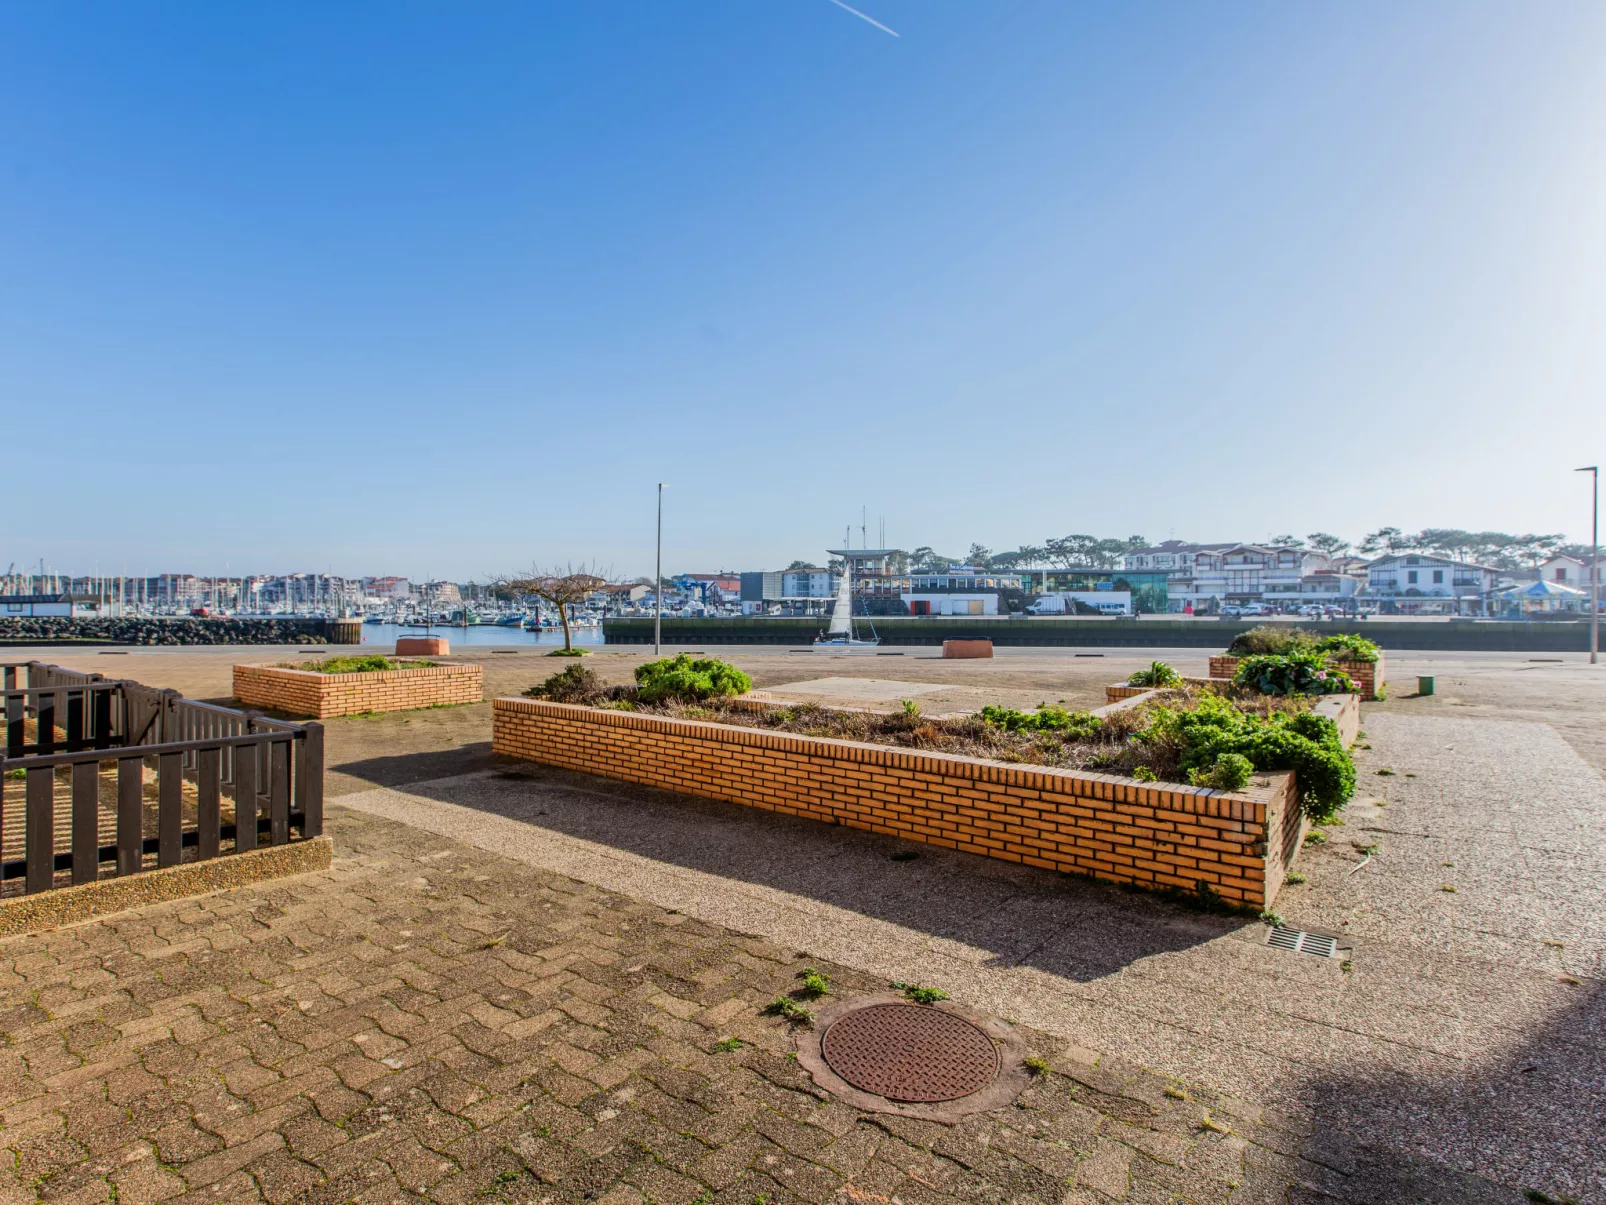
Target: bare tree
pixel 561 587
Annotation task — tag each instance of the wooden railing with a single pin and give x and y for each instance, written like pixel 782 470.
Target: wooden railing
pixel 117 778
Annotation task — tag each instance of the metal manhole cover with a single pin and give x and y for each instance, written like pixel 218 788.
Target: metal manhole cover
pixel 908 1053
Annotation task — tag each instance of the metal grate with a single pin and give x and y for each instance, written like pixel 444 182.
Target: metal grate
pixel 1299 941
pixel 907 1053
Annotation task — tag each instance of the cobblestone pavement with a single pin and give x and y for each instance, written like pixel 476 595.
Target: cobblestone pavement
pixel 428 1021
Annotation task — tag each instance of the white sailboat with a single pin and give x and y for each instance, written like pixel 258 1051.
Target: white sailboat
pixel 838 636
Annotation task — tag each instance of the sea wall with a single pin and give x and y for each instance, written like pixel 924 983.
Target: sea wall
pixel 219 630
pixel 1214 634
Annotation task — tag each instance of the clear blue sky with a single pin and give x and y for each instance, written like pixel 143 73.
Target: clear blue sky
pixel 431 288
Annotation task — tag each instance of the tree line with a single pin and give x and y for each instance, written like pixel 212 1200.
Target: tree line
pixel 1496 549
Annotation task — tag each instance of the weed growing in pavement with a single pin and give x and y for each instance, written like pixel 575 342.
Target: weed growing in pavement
pixel 791 1010
pixel 1274 919
pixel 727 1045
pixel 1385 772
pixel 1035 1066
pixel 1315 837
pixel 815 983
pixel 1448 888
pixel 1346 966
pixel 1175 1093
pixel 1294 878
pixel 918 994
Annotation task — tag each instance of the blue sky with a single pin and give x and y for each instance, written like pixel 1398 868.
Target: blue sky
pixel 445 289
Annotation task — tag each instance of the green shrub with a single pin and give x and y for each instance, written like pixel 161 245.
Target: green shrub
pixel 370 663
pixel 815 983
pixel 683 680
pixel 575 684
pixel 1348 646
pixel 1230 773
pixel 1073 725
pixel 1295 674
pixel 1306 743
pixel 1158 674
pixel 1273 640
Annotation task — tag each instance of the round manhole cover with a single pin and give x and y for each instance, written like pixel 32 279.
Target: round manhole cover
pixel 908 1053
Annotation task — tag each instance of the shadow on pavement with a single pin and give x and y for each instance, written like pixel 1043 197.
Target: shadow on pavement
pixel 1012 915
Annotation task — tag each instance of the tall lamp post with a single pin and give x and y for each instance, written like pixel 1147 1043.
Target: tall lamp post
pixel 658 581
pixel 1594 565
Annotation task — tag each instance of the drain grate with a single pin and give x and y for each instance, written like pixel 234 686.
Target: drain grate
pixel 1299 941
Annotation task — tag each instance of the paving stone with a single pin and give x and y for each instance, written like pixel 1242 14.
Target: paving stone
pixel 363 1036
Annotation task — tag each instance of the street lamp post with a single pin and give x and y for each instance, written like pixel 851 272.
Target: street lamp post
pixel 658 581
pixel 1594 564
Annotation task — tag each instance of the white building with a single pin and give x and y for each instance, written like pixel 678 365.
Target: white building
pixel 1247 573
pixel 952 604
pixel 1570 571
pixel 1170 556
pixel 1417 581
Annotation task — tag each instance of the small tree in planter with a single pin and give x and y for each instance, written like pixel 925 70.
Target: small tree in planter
pixel 563 587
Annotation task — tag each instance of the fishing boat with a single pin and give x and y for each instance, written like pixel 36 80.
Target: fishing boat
pixel 838 637
pixel 510 621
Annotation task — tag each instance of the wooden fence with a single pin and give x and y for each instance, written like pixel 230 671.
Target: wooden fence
pixel 109 777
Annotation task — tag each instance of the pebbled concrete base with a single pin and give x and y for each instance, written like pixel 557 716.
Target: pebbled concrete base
pixel 68 905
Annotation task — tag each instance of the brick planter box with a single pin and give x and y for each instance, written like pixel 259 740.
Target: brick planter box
pixel 1154 835
pixel 1365 674
pixel 305 693
pixel 967 648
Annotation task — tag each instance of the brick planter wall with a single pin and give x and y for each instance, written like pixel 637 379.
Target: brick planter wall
pixel 1365 674
pixel 304 693
pixel 1081 822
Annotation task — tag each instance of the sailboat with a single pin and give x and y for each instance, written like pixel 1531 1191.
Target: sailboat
pixel 838 636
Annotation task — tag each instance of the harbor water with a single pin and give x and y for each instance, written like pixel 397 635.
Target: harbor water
pixel 478 635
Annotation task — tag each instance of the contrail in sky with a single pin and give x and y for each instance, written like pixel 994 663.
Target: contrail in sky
pixel 862 17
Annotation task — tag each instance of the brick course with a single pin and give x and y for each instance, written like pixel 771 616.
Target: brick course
pixel 305 693
pixel 1365 674
pixel 1080 822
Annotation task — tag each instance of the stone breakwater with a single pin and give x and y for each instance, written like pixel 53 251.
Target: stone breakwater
pixel 221 630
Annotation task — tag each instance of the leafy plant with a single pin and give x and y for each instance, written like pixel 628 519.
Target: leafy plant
pixel 1035 1066
pixel 727 1045
pixel 815 983
pixel 923 995
pixel 1295 674
pixel 1072 725
pixel 1293 878
pixel 686 680
pixel 1273 640
pixel 567 653
pixel 574 684
pixel 1158 674
pixel 1305 743
pixel 1145 774
pixel 790 1009
pixel 1230 773
pixel 1348 646
pixel 370 663
pixel 911 708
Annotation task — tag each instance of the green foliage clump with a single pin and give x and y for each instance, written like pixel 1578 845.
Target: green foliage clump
pixel 684 680
pixel 1295 674
pixel 1072 725
pixel 370 663
pixel 918 994
pixel 790 1009
pixel 815 983
pixel 1348 646
pixel 1273 640
pixel 1230 773
pixel 576 684
pixel 1306 743
pixel 1158 674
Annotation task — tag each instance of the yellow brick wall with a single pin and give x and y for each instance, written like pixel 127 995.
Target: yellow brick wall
pixel 304 693
pixel 1084 823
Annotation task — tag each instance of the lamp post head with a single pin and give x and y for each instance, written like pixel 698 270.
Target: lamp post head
pixel 1588 468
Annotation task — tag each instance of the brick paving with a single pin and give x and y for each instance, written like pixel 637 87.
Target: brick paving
pixel 431 1022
